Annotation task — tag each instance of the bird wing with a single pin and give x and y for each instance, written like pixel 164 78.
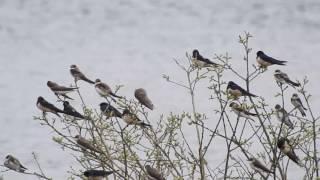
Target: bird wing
pixel 143 99
pixel 62 88
pixel 259 165
pixel 154 173
pixel 50 106
pixel 271 59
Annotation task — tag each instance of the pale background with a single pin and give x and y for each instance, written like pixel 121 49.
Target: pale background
pixel 133 43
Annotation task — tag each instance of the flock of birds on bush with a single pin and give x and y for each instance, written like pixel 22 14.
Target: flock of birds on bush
pixel 140 94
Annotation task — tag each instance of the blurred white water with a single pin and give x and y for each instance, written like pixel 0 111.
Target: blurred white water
pixel 133 43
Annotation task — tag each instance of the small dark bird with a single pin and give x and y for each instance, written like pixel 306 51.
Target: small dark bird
pixel 237 91
pixel 109 110
pixel 241 112
pixel 93 174
pixel 283 116
pixel 297 103
pixel 131 118
pixel 154 173
pixel 60 90
pixel 258 166
pixel 85 144
pixel 103 89
pixel 14 164
pixel 69 110
pixel 45 106
pixel 142 97
pixel 78 75
pixel 264 61
pixel 282 78
pixel 200 61
pixel 285 147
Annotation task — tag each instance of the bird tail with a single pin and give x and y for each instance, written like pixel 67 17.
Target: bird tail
pixel 67 97
pixel 249 94
pixel 114 95
pixel 56 113
pixel 143 124
pixel 283 63
pixel 293 83
pixel 295 158
pixel 88 80
pixel 301 109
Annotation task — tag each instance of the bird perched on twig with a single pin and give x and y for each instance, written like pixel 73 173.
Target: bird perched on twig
pixel 85 144
pixel 60 90
pixel 264 61
pixel 14 164
pixel 297 103
pixel 285 147
pixel 45 106
pixel 142 97
pixel 283 116
pixel 154 173
pixel 69 110
pixel 283 78
pixel 93 174
pixel 78 75
pixel 131 118
pixel 200 61
pixel 237 91
pixel 240 111
pixel 103 89
pixel 109 111
pixel 258 166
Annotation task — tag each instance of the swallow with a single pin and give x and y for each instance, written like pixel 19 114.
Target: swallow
pixel 69 110
pixel 241 112
pixel 285 147
pixel 236 91
pixel 200 61
pixel 14 164
pixel 282 78
pixel 258 166
pixel 153 173
pixel 103 89
pixel 264 61
pixel 297 103
pixel 283 116
pixel 45 106
pixel 141 96
pixel 78 75
pixel 93 174
pixel 60 90
pixel 109 110
pixel 131 118
pixel 85 144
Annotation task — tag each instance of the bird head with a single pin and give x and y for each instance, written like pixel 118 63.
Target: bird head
pixel 277 71
pixel 282 142
pixel 251 159
pixel 73 66
pixel 50 84
pixel 125 111
pixel 40 98
pixel 277 107
pixel 230 84
pixel 195 53
pixel 65 103
pixel 295 95
pixel 259 53
pixel 233 104
pixel 97 80
pixel 9 156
